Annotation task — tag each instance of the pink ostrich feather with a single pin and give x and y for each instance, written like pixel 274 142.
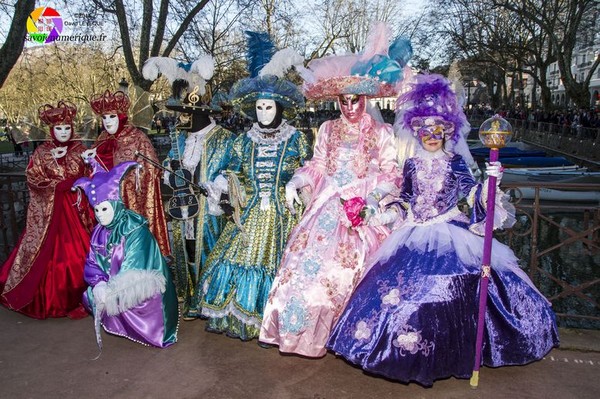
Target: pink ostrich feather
pixel 330 66
pixel 378 41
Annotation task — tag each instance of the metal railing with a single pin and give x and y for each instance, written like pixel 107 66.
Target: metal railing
pixel 559 242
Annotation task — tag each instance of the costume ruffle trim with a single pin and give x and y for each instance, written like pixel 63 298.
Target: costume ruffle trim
pixel 232 310
pixel 129 289
pixel 280 134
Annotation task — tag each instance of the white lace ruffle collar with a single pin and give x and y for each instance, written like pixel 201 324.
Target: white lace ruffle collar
pixel 424 154
pixel 261 135
pixel 194 147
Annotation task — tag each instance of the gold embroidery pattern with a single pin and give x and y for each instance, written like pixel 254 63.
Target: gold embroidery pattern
pixel 43 174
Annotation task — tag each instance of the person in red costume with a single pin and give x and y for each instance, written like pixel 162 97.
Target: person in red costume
pixel 43 276
pixel 117 143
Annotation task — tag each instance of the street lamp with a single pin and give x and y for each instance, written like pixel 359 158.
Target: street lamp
pixel 124 86
pixel 471 83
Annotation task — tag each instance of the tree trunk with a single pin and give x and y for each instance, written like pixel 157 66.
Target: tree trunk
pixel 15 40
pixel 546 97
pixel 578 92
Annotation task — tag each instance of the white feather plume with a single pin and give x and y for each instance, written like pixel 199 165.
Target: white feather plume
pixel 377 40
pixel 456 79
pixel 281 62
pixel 204 66
pixel 168 67
pixel 200 71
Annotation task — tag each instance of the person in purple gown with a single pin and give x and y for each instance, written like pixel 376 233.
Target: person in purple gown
pixel 413 316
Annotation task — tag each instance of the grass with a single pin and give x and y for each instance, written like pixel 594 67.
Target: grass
pixel 6 147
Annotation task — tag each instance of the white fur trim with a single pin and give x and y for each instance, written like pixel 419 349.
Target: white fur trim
pixel 130 288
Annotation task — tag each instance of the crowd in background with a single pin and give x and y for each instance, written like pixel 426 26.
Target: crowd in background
pixel 582 122
pixel 587 118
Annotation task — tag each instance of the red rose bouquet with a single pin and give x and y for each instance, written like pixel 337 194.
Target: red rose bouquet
pixel 355 210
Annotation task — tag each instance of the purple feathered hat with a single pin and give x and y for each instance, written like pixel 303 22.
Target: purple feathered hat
pixel 103 185
pixel 431 95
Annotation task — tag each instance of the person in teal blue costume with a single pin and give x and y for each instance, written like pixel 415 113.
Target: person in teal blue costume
pixel 203 148
pixel 239 271
pixel 131 293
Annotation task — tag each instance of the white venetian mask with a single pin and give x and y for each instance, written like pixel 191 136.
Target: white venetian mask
pixel 104 212
pixel 111 123
pixel 62 133
pixel 266 110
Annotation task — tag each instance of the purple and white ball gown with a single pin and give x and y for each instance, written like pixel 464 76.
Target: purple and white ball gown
pixel 413 316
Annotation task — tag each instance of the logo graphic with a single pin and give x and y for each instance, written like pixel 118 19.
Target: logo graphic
pixel 44 25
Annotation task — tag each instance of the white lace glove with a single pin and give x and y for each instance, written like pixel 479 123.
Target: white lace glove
pixel 291 196
pixel 221 184
pixel 99 292
pixel 373 200
pixel 494 169
pixel 383 218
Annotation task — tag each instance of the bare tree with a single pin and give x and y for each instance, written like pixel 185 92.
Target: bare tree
pixel 50 73
pixel 497 43
pixel 216 31
pixel 154 38
pixel 15 39
pixel 340 26
pixel 562 22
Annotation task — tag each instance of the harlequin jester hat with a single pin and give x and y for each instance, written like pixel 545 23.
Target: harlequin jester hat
pixel 267 69
pixel 375 72
pixel 188 81
pixel 103 185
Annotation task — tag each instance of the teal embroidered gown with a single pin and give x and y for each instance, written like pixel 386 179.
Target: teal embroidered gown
pixel 239 271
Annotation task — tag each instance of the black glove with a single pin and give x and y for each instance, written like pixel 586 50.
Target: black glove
pixel 202 190
pixel 175 164
pixel 226 205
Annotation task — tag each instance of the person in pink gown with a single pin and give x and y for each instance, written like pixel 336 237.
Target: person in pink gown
pixel 354 166
pixel 43 276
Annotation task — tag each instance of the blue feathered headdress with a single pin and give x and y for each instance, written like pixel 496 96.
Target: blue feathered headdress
pixel 267 69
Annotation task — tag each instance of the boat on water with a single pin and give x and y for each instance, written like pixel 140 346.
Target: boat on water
pixel 573 174
pixel 550 194
pixel 533 161
pixel 507 152
pixel 524 164
pixel 518 155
